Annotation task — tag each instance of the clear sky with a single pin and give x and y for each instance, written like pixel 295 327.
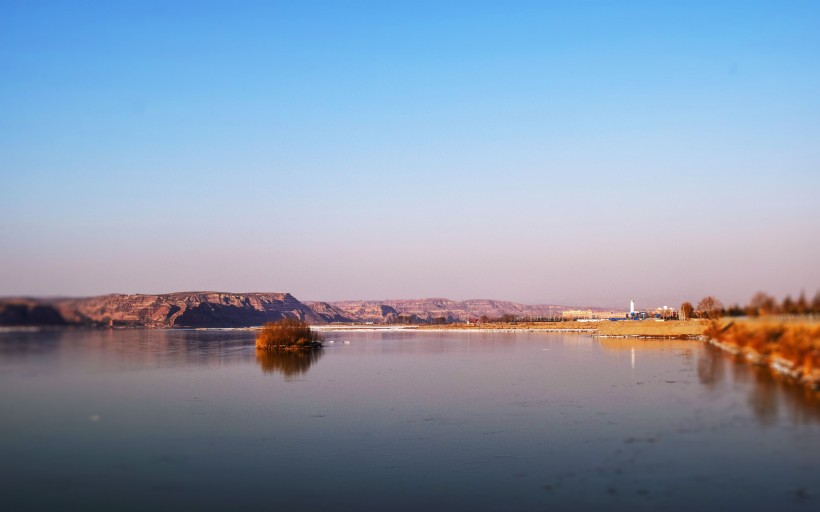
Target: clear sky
pixel 542 152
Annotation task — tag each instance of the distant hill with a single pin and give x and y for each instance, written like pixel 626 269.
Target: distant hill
pixel 361 311
pixel 427 310
pixel 220 309
pixel 184 309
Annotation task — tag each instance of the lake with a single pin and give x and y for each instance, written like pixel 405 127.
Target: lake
pixel 164 419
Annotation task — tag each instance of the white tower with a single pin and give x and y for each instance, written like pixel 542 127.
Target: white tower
pixel 631 307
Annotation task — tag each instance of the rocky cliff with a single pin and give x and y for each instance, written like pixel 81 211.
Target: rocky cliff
pixel 331 313
pixel 366 311
pixel 428 310
pixel 185 309
pixel 218 309
pixel 29 312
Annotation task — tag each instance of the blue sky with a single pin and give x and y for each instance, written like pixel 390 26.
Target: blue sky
pixel 571 152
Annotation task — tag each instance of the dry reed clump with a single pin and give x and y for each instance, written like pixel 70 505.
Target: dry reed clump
pixel 714 331
pixel 797 344
pixel 288 334
pixel 801 346
pixel 763 339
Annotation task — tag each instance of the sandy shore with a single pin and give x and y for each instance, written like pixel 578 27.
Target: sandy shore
pixel 691 329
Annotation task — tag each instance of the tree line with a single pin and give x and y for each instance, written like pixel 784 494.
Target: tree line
pixel 762 304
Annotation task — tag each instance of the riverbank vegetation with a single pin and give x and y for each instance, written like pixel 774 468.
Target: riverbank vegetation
pixel 789 347
pixel 782 335
pixel 288 334
pixel 761 305
pixel 650 328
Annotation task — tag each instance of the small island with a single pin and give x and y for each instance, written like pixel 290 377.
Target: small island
pixel 288 334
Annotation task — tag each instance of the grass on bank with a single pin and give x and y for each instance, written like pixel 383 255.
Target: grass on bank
pixel 797 343
pixel 652 328
pixel 288 334
pixel 649 328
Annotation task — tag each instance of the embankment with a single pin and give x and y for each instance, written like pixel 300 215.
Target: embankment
pixel 678 329
pixel 691 329
pixel 789 348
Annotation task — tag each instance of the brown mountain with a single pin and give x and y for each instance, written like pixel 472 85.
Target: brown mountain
pixel 331 313
pixel 426 310
pixel 24 311
pixel 219 309
pixel 363 310
pixel 184 309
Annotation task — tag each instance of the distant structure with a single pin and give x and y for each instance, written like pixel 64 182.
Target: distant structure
pixel 661 313
pixel 635 315
pixel 589 315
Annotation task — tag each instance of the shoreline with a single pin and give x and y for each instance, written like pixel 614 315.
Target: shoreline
pixel 789 350
pixel 647 329
pixel 777 365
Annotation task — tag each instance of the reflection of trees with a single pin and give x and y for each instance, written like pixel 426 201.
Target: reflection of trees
pixel 770 394
pixel 711 367
pixel 765 395
pixel 290 363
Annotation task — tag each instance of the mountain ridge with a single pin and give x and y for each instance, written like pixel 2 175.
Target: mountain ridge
pixel 177 309
pixel 436 308
pixel 230 309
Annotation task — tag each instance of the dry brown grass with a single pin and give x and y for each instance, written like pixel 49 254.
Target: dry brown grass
pixel 287 334
pixel 547 326
pixel 652 328
pixel 793 341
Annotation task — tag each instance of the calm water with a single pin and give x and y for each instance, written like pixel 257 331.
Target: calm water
pixel 142 419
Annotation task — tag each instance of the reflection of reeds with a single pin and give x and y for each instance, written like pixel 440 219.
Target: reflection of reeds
pixel 290 363
pixel 768 394
pixel 651 344
pixel 791 348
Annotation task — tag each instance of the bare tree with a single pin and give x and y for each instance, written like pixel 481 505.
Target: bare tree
pixel 761 305
pixel 709 307
pixel 788 306
pixel 686 310
pixel 802 304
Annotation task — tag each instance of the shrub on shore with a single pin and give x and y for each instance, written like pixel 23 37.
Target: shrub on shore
pixel 761 305
pixel 799 344
pixel 288 334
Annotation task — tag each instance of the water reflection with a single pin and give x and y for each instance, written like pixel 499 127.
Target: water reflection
pixel 420 342
pixel 290 363
pixel 642 348
pixel 770 395
pixel 771 398
pixel 479 422
pixel 711 368
pixel 23 342
pixel 127 349
pixel 643 345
